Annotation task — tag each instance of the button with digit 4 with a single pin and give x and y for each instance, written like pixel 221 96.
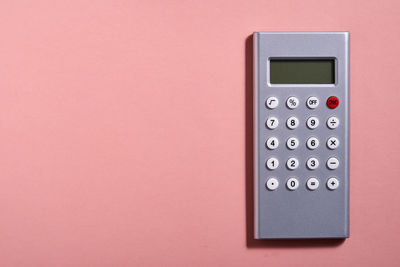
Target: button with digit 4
pixel 292 184
pixel 272 102
pixel 292 102
pixel 292 123
pixel 272 184
pixel 272 143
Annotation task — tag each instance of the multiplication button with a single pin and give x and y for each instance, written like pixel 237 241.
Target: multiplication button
pixel 312 163
pixel 332 143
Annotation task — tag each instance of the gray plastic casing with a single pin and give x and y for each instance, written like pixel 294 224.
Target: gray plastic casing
pixel 301 213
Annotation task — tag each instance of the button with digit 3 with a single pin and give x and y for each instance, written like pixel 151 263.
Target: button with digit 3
pixel 312 163
pixel 332 142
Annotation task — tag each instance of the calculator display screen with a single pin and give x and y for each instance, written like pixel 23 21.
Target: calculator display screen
pixel 302 71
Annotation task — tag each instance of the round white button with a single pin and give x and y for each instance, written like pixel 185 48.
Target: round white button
pixel 292 102
pixel 272 184
pixel 272 123
pixel 292 184
pixel 292 143
pixel 312 102
pixel 312 122
pixel 332 183
pixel 332 122
pixel 312 183
pixel 312 163
pixel 312 143
pixel 272 143
pixel 332 163
pixel 272 163
pixel 272 102
pixel 332 142
pixel 292 123
pixel 292 163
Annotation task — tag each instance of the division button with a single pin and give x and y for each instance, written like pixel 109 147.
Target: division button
pixel 332 142
pixel 292 102
pixel 332 122
pixel 272 102
pixel 332 102
pixel 292 184
pixel 332 163
pixel 332 183
pixel 272 184
pixel 312 183
pixel 312 102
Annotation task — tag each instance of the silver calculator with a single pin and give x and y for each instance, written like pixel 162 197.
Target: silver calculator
pixel 301 135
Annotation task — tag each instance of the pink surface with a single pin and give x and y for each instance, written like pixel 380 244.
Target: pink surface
pixel 123 132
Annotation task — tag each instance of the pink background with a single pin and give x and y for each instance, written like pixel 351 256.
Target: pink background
pixel 123 132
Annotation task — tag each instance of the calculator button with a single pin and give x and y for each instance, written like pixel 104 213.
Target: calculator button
pixel 312 122
pixel 292 123
pixel 332 102
pixel 292 163
pixel 292 143
pixel 292 184
pixel 312 143
pixel 272 143
pixel 332 143
pixel 272 123
pixel 272 102
pixel 332 122
pixel 312 163
pixel 312 183
pixel 312 102
pixel 332 183
pixel 332 163
pixel 272 163
pixel 272 184
pixel 292 102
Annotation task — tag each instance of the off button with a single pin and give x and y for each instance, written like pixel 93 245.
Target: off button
pixel 332 102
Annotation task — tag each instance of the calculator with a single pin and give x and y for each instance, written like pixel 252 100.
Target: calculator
pixel 301 135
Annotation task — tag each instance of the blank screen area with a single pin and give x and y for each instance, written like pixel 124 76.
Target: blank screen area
pixel 302 71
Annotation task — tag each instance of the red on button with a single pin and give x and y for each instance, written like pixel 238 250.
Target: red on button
pixel 332 102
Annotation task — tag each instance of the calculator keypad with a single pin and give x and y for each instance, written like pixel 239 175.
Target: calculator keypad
pixel 295 140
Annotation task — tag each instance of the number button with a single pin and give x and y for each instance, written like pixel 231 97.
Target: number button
pixel 292 123
pixel 312 163
pixel 312 183
pixel 332 122
pixel 312 143
pixel 312 122
pixel 292 184
pixel 272 184
pixel 332 163
pixel 332 143
pixel 272 123
pixel 312 102
pixel 292 163
pixel 272 102
pixel 332 183
pixel 272 143
pixel 292 143
pixel 292 102
pixel 272 163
